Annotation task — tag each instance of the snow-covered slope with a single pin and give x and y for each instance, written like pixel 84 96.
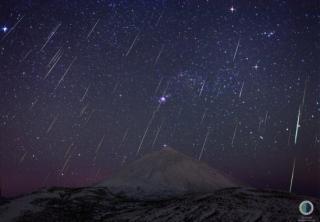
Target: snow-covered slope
pixel 166 172
pixel 38 201
pixel 97 204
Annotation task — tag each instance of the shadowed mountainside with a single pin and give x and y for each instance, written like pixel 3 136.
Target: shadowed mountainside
pixel 165 173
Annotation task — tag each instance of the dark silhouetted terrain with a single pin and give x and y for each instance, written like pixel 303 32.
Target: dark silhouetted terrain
pixel 98 204
pixel 161 186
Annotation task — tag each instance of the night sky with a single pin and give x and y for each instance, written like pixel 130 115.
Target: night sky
pixel 89 86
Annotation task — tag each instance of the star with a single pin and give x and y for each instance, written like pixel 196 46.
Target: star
pixel 162 99
pixel 232 9
pixel 269 34
pixel 4 28
pixel 256 66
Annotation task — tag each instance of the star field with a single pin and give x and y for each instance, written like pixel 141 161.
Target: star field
pixel 88 86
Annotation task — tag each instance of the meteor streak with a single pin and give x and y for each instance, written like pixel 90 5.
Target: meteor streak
pixel 240 93
pixel 53 32
pixel 54 64
pixel 100 144
pixel 297 126
pixel 202 88
pixel 89 34
pixel 65 73
pixel 147 128
pixel 157 134
pixel 52 123
pixel 292 174
pixel 135 39
pixel 203 145
pixel 236 51
pixel 234 134
pixel 159 54
pixel 85 93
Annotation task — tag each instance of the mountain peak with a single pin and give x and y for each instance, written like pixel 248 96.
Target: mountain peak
pixel 164 154
pixel 166 172
pixel 167 150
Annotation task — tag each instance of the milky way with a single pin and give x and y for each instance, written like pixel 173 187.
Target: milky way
pixel 89 86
